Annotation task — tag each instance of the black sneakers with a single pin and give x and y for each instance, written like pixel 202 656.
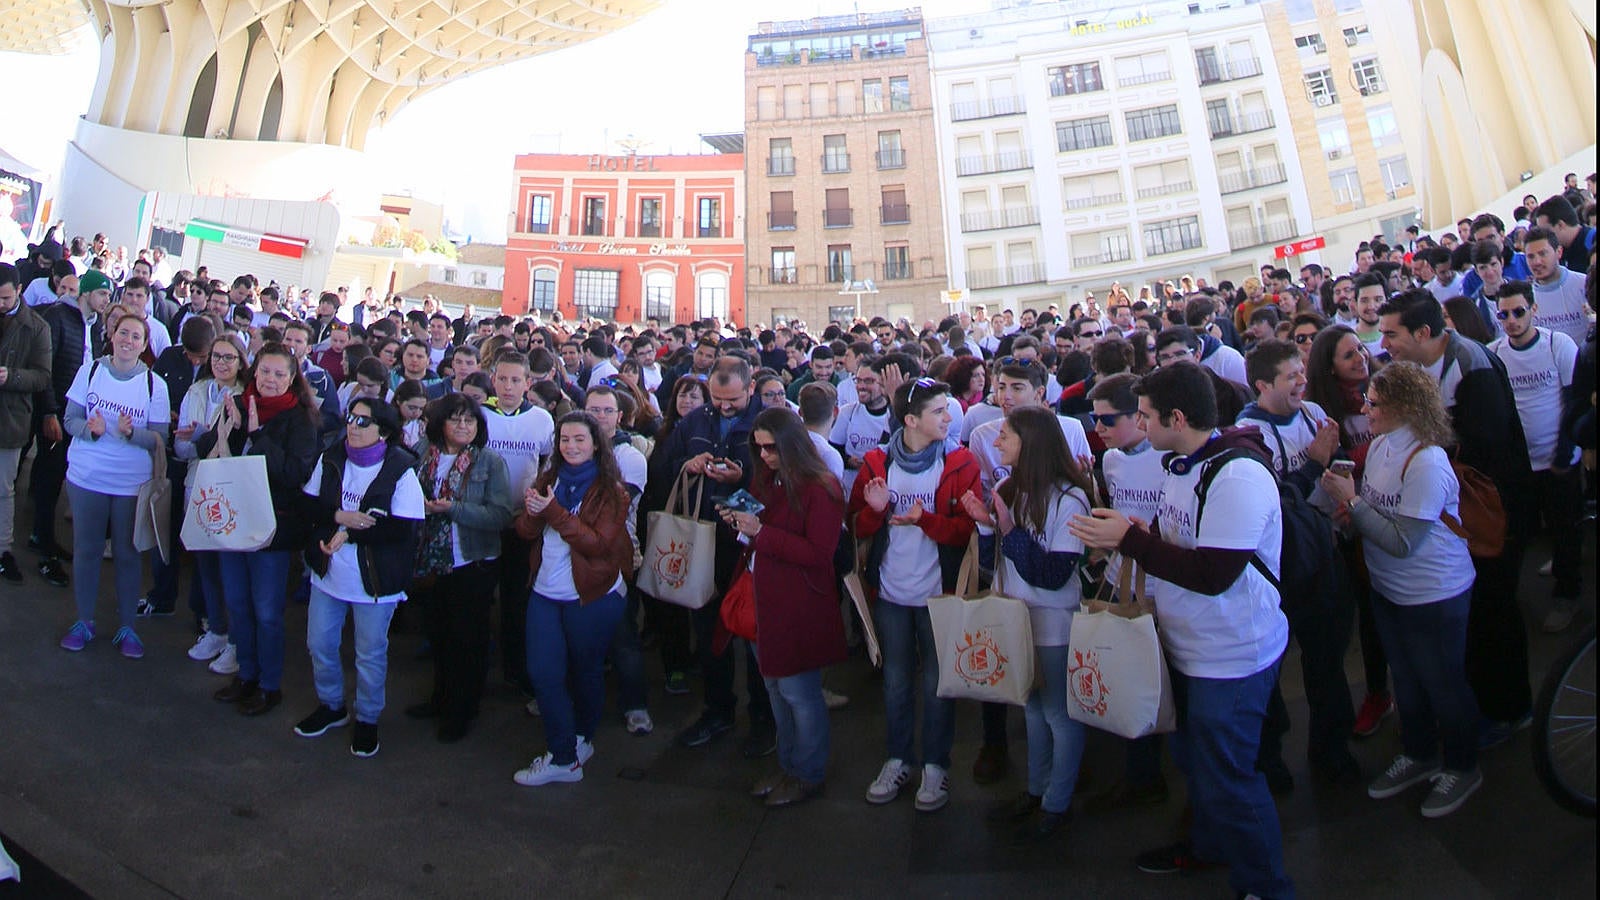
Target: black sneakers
pixel 9 570
pixel 321 720
pixel 364 740
pixel 704 730
pixel 51 570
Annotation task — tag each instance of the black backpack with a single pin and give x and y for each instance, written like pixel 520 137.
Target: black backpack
pixel 1309 559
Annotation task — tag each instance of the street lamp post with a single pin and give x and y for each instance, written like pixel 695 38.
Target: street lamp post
pixel 858 289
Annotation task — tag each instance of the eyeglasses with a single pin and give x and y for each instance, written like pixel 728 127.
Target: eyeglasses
pixel 765 447
pixel 1091 334
pixel 225 357
pixel 462 420
pixel 1174 356
pixel 1504 314
pixel 1109 420
pixel 1371 401
pixel 771 396
pixel 1304 338
pixel 599 412
pixel 359 420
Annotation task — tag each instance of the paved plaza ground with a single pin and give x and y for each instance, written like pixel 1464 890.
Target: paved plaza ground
pixel 126 780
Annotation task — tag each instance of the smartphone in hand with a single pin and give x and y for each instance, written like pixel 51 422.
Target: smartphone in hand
pixel 743 501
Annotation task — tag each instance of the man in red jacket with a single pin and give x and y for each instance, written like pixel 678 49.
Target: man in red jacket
pixel 906 501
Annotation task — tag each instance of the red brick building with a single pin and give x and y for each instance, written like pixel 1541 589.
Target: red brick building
pixel 628 238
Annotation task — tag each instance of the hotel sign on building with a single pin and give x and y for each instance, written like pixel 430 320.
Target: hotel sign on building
pixel 628 238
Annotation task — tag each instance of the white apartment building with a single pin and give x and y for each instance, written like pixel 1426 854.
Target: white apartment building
pixel 1080 147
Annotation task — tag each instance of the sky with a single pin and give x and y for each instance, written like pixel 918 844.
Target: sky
pixel 672 76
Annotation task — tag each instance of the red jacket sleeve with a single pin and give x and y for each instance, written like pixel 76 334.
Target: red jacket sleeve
pixel 950 525
pixel 867 520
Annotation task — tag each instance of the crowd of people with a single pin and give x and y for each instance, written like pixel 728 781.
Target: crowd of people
pixel 1314 455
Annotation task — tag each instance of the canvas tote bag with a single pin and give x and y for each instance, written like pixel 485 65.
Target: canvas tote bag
pixel 985 644
pixel 680 551
pixel 1116 673
pixel 152 515
pixel 230 508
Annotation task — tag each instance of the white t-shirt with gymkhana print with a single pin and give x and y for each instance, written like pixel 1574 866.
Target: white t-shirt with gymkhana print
pixel 1539 372
pixel 1439 566
pixel 910 573
pixel 111 464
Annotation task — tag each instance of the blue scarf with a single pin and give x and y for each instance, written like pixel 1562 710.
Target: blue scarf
pixel 572 482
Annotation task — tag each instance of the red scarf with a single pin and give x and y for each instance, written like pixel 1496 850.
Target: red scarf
pixel 267 407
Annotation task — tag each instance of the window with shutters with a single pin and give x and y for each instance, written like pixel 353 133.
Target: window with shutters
pixel 594 292
pixel 1084 134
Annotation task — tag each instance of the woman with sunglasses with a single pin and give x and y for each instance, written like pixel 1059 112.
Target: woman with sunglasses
pixel 1303 330
pixel 200 412
pixel 276 418
pixel 1038 565
pixel 575 517
pixel 1422 579
pixel 117 417
pixel 798 627
pixel 367 504
pixel 467 495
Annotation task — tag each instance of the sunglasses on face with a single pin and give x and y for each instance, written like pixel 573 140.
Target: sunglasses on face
pixel 1109 420
pixel 1505 314
pixel 766 447
pixel 1304 338
pixel 1091 334
pixel 359 420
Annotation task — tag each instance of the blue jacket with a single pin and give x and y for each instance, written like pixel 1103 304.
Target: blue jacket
pixel 700 432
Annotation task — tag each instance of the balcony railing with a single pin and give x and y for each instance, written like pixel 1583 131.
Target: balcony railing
pixel 1268 233
pixel 650 229
pixel 894 214
pixel 782 220
pixel 1103 258
pixel 1008 161
pixel 1244 123
pixel 837 218
pixel 1023 273
pixel 835 162
pixel 1060 86
pixel 1177 187
pixel 1234 182
pixel 838 274
pixel 780 165
pixel 1011 217
pixel 891 159
pixel 1217 72
pixel 1145 78
pixel 897 271
pixel 778 275
pixel 1096 200
pixel 967 110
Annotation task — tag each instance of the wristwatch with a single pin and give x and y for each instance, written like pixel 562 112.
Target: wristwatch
pixel 1351 503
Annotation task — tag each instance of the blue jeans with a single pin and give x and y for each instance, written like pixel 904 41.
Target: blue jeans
pixel 1235 822
pixel 324 626
pixel 1055 739
pixel 208 575
pixel 567 643
pixel 94 516
pixel 1427 650
pixel 906 636
pixel 801 717
pixel 256 586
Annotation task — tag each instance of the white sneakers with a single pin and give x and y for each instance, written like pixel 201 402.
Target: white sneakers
pixel 891 778
pixel 935 790
pixel 932 794
pixel 638 722
pixel 208 646
pixel 545 771
pixel 227 662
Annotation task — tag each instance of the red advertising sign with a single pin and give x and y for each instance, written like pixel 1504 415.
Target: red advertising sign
pixel 1298 247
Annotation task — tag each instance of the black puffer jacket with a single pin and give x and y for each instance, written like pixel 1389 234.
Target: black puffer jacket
pixel 67 326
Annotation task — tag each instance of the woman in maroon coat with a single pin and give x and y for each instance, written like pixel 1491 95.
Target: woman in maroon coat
pixel 798 628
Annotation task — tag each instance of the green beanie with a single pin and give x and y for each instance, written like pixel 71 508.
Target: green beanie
pixel 93 280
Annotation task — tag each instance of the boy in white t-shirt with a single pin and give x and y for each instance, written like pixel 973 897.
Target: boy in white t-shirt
pixel 863 425
pixel 906 501
pixel 1221 626
pixel 1541 364
pixel 524 436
